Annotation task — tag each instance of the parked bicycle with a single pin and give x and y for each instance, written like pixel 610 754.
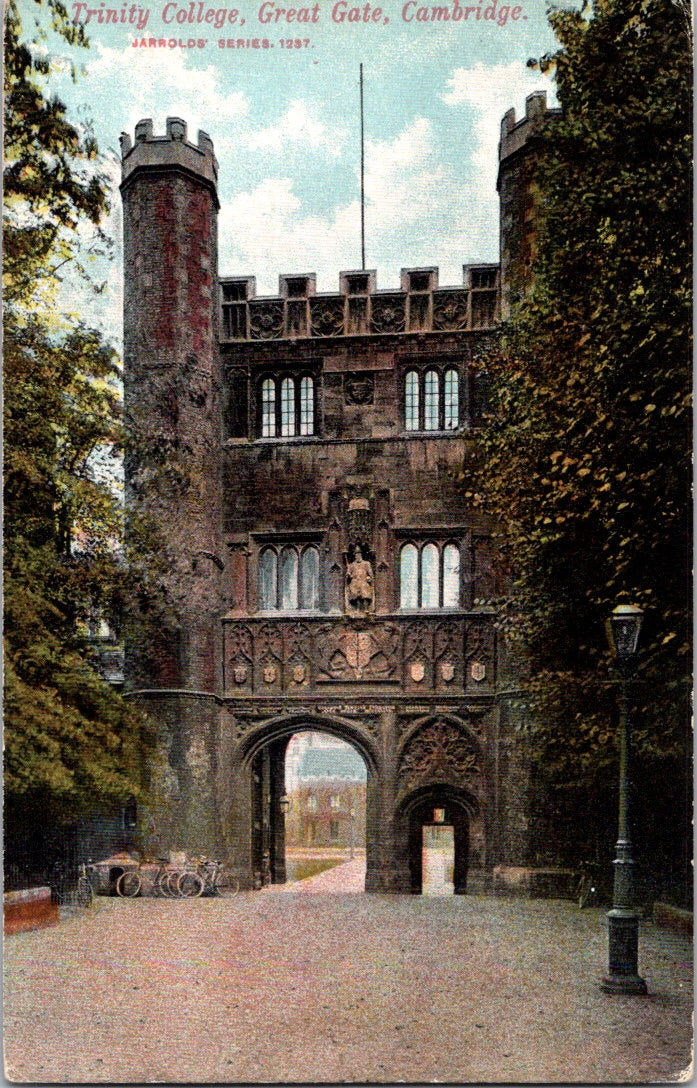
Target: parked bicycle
pixel 132 881
pixel 84 891
pixel 208 877
pixel 592 889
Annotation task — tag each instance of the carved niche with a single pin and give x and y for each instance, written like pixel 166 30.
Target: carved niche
pixel 439 752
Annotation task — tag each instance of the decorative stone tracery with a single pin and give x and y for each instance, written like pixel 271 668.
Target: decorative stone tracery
pixel 439 752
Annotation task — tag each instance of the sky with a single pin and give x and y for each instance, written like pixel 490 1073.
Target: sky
pixel 285 125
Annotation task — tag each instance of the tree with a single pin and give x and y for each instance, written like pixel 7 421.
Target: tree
pixel 71 742
pixel 587 444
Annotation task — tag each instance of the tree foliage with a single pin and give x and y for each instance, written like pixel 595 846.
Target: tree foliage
pixel 585 459
pixel 70 739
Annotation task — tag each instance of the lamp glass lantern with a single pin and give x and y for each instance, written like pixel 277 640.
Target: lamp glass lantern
pixel 624 626
pixel 284 803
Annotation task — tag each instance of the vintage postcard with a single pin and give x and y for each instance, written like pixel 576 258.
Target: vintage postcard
pixel 347 549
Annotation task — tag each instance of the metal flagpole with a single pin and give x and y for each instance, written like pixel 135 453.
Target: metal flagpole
pixel 362 176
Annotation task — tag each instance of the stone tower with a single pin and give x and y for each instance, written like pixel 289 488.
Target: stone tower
pixel 172 386
pixel 520 147
pixel 172 407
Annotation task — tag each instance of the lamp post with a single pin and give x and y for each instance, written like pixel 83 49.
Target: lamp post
pixel 623 920
pixel 353 825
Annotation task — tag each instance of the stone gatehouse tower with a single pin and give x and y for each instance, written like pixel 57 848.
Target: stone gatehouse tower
pixel 300 456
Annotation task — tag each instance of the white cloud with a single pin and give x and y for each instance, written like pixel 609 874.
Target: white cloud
pixel 298 126
pixel 491 90
pixel 140 76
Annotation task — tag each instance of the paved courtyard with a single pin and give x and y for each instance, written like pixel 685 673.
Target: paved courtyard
pixel 315 987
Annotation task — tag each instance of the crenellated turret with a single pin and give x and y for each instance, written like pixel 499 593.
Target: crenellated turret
pixel 172 386
pixel 519 151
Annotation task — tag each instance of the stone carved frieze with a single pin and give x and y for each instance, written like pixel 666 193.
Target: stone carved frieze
pixel 268 643
pixel 418 641
pixel 439 752
pixel 327 316
pixel 346 652
pixel 450 310
pixel 388 313
pixel 266 320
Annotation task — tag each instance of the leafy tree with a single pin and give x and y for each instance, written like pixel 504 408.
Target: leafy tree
pixel 587 446
pixel 71 742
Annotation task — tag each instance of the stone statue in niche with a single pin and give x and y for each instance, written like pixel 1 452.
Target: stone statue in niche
pixel 359 594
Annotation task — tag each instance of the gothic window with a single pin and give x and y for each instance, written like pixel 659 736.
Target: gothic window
pixel 268 408
pixel 267 574
pixel 432 400
pixel 429 576
pixel 411 400
pixel 307 406
pixel 451 576
pixel 288 579
pixel 409 577
pixel 430 589
pixel 287 407
pixel 309 578
pixel 451 400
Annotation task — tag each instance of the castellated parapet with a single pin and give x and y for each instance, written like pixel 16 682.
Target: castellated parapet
pixel 170 151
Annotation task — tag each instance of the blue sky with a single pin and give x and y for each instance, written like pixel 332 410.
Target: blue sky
pixel 285 127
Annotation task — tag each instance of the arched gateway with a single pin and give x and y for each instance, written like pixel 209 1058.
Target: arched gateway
pixel 301 455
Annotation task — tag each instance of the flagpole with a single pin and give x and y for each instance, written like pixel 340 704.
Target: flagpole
pixel 362 176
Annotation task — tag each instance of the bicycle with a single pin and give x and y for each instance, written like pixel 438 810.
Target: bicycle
pixel 84 891
pixel 209 877
pixel 130 883
pixel 590 889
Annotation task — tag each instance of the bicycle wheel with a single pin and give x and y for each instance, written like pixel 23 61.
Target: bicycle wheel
pixel 161 885
pixel 84 893
pixel 190 885
pixel 225 883
pixel 128 885
pixel 172 884
pixel 583 891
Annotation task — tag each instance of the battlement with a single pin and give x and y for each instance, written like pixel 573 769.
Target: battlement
pixel 515 134
pixel 170 151
pixel 358 309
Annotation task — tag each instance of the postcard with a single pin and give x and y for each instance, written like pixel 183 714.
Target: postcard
pixel 347 371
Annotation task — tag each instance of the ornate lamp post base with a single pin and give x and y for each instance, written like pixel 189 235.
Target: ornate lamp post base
pixel 623 943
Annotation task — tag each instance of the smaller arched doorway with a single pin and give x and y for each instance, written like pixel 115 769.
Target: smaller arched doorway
pixel 434 809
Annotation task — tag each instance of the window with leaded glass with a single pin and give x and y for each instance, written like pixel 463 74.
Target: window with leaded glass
pixel 432 399
pixel 411 400
pixel 451 400
pixel 429 575
pixel 287 406
pixel 288 578
pixel 268 408
pixel 307 406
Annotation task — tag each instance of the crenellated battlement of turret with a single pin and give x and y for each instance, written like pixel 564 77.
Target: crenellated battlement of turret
pixel 171 151
pixel 515 134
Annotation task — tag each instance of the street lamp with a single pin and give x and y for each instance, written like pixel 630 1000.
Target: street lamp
pixel 284 803
pixel 623 920
pixel 353 826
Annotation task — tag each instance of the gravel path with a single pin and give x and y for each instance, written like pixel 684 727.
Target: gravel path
pixel 308 987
